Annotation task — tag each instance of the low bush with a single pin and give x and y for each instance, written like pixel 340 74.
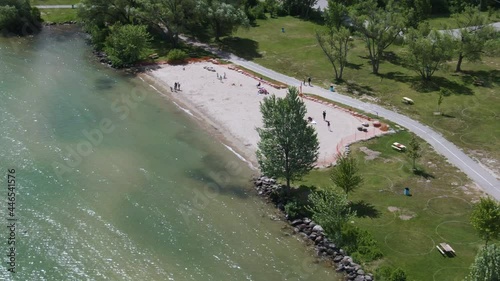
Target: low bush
pixel 360 244
pixel 176 56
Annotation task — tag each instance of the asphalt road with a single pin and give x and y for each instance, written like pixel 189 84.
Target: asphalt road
pixel 455 155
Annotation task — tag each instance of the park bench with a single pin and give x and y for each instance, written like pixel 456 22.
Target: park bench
pixel 446 249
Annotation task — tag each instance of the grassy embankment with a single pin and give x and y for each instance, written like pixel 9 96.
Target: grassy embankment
pixel 440 206
pixel 57 15
pixel 470 118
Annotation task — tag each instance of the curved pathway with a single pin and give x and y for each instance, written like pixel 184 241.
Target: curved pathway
pixel 455 156
pixel 56 6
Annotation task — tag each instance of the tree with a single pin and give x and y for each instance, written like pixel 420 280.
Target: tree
pixel 335 45
pixel 442 93
pixel 414 151
pixel 97 16
pixel 335 42
pixel 127 44
pixel 416 11
pixel 345 174
pixel 168 15
pixel 426 53
pixel 472 36
pixel 486 266
pixel 18 17
pixel 331 210
pixel 298 7
pixel 379 27
pixel 485 218
pixel 288 146
pixel 222 17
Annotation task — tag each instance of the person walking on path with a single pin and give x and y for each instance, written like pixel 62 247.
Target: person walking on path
pixel 324 114
pixel 328 124
pixel 309 80
pixel 175 86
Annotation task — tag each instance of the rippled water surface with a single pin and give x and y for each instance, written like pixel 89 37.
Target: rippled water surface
pixel 116 183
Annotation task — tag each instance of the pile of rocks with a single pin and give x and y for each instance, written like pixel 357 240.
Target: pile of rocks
pixel 48 23
pixel 310 231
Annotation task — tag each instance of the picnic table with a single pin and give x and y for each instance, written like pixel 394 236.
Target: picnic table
pixel 444 248
pixel 399 147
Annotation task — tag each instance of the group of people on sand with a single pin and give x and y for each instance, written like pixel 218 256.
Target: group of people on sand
pixel 311 120
pixel 177 86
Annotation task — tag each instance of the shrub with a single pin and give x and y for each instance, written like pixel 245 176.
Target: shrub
pixel 295 209
pixel 387 273
pixel 258 12
pixel 127 44
pixel 176 56
pixel 360 243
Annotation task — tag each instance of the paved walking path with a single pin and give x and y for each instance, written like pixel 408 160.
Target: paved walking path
pixel 56 6
pixel 474 170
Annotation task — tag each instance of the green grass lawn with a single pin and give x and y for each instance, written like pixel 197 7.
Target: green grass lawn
pixel 54 2
pixel 409 228
pixel 58 15
pixel 470 115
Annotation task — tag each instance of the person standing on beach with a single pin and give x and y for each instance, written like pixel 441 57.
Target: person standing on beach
pixel 324 114
pixel 309 80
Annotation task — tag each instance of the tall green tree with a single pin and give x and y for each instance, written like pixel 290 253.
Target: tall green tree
pixel 427 52
pixel 97 16
pixel 472 36
pixel 331 210
pixel 486 266
pixel 288 146
pixel 485 218
pixel 335 45
pixel 346 174
pixel 127 44
pixel 335 41
pixel 169 16
pixel 18 17
pixel 223 18
pixel 416 11
pixel 414 151
pixel 379 27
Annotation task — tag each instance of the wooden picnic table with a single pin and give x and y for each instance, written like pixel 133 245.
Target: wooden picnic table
pixel 447 248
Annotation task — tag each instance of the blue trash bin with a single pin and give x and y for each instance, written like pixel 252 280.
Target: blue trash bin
pixel 407 191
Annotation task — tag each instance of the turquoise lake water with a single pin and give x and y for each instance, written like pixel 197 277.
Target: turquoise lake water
pixel 113 182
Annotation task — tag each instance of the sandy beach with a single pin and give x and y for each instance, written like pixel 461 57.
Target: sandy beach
pixel 230 107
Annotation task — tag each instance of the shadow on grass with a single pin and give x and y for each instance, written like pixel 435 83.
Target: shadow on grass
pixel 438 83
pixel 393 58
pixel 364 209
pixel 423 173
pixel 242 47
pixel 481 78
pixel 358 90
pixel 354 66
pixel 398 76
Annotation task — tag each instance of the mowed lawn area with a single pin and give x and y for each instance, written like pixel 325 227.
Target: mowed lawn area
pixel 58 15
pixel 470 114
pixel 408 228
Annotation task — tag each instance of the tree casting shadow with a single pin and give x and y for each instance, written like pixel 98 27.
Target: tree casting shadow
pixel 364 209
pixel 423 173
pixel 242 47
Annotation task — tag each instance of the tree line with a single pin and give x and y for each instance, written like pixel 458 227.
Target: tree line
pixel 425 50
pixel 17 17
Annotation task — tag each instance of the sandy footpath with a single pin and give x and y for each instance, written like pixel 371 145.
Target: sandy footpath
pixel 231 108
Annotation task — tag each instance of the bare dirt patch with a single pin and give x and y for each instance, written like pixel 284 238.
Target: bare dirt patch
pixel 370 154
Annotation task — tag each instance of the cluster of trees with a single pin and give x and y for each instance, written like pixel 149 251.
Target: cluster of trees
pixel 382 24
pixel 288 149
pixel 115 24
pixel 485 218
pixel 18 17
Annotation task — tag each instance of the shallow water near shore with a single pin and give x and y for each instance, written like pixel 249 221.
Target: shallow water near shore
pixel 113 182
